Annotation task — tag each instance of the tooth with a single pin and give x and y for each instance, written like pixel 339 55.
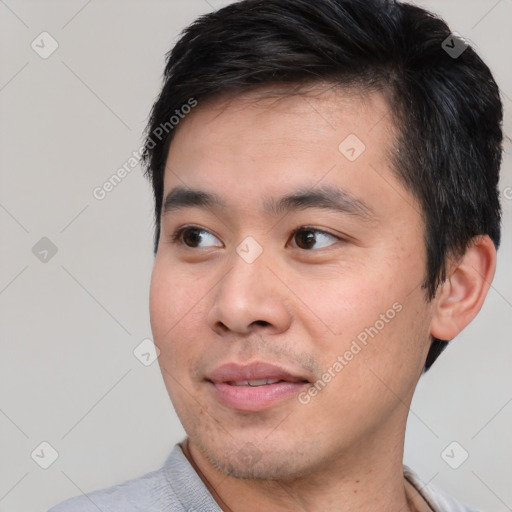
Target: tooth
pixel 240 383
pixel 257 382
pixel 254 382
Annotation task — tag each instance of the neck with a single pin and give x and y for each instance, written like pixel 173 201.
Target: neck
pixel 371 484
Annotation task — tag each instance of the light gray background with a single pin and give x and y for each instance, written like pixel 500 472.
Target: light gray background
pixel 69 326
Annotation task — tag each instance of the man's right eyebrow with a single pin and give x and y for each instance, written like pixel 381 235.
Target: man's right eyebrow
pixel 181 197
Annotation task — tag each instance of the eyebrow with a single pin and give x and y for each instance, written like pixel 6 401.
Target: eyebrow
pixel 325 197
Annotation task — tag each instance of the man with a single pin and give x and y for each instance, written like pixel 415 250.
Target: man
pixel 325 177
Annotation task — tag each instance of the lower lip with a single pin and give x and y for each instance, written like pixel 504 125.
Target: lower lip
pixel 256 398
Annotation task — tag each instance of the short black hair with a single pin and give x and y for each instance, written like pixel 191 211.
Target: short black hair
pixel 446 106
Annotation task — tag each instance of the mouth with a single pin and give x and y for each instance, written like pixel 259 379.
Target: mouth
pixel 254 387
pixel 256 382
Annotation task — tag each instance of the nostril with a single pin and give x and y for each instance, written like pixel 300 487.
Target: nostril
pixel 261 322
pixel 223 326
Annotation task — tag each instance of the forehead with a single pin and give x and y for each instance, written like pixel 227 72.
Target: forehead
pixel 263 143
pixel 318 114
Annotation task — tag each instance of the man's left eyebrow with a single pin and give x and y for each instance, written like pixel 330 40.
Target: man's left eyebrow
pixel 326 197
pixel 181 197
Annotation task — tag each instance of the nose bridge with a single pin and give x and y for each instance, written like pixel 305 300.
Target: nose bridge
pixel 247 268
pixel 248 294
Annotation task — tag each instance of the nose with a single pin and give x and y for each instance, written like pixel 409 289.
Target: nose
pixel 249 299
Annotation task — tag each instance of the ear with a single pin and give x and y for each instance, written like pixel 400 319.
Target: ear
pixel 460 297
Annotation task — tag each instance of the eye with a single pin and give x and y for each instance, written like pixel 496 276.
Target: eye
pixel 306 238
pixel 196 238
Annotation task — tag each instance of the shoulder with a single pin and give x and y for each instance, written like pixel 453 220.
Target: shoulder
pixel 175 487
pixel 142 493
pixel 437 499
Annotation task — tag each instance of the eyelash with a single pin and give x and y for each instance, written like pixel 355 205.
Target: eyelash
pixel 176 236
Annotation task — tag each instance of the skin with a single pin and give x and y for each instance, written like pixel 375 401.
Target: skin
pixel 301 307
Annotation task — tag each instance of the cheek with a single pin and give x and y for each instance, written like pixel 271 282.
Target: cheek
pixel 170 296
pixel 173 311
pixel 175 303
pixel 344 303
pixel 372 319
pixel 161 301
pixel 396 341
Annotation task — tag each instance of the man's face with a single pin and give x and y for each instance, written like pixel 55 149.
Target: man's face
pixel 329 295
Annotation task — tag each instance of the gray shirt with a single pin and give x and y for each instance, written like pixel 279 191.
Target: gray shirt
pixel 176 487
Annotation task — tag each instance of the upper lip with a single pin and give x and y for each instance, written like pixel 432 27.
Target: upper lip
pixel 235 372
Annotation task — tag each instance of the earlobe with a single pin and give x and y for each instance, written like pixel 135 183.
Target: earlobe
pixel 460 297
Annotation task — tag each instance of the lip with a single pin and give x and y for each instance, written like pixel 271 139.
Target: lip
pixel 226 379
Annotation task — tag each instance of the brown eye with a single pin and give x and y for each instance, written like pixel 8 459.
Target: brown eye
pixel 192 237
pixel 195 238
pixel 307 238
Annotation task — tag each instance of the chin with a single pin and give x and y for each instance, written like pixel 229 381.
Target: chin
pixel 256 462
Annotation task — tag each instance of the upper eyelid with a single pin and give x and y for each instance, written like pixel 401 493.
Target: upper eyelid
pixel 318 230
